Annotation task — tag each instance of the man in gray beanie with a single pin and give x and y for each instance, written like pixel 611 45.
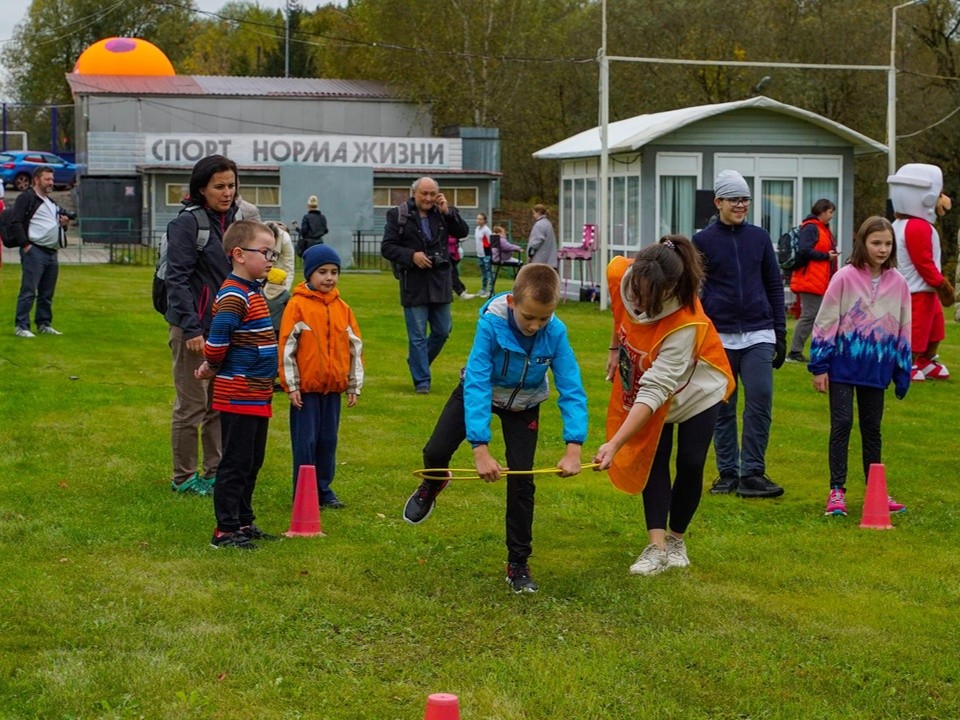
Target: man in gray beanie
pixel 743 296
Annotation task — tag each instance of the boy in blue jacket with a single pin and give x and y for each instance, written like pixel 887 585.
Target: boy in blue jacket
pixel 518 337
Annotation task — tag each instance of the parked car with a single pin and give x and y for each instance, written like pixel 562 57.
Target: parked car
pixel 16 168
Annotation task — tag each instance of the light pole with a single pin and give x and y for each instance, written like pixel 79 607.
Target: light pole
pixel 291 6
pixel 892 90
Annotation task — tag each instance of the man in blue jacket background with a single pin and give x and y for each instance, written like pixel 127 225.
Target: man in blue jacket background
pixel 743 296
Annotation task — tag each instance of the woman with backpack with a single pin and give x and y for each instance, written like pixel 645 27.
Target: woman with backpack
pixel 313 226
pixel 816 263
pixel 193 276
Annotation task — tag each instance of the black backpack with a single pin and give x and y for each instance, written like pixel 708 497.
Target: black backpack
pixel 787 247
pixel 160 273
pixel 402 211
pixel 6 226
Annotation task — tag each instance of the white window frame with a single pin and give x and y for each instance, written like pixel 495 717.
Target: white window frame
pixel 675 164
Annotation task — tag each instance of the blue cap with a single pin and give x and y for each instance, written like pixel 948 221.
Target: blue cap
pixel 317 255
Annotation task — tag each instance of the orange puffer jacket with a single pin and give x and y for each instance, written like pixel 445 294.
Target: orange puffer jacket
pixel 814 277
pixel 320 346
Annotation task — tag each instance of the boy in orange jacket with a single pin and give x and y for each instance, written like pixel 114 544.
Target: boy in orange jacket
pixel 321 357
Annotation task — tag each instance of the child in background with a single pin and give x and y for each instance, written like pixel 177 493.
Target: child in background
pixel 518 337
pixel 861 341
pixel 668 368
pixel 459 289
pixel 503 254
pixel 321 358
pixel 482 236
pixel 241 357
pixel 277 289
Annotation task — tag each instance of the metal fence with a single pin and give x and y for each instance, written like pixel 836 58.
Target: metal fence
pixel 366 252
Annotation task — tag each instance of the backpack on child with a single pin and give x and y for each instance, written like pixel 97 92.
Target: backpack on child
pixel 160 273
pixel 787 248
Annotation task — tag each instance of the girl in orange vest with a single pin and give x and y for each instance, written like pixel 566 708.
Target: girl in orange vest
pixel 668 369
pixel 817 250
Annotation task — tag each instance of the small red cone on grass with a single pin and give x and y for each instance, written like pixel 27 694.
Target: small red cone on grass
pixel 876 508
pixel 442 706
pixel 305 521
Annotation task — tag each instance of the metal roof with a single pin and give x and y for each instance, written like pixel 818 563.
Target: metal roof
pixel 633 133
pixel 222 85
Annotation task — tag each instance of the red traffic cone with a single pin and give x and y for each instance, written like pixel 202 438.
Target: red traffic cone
pixel 876 510
pixel 442 706
pixel 305 521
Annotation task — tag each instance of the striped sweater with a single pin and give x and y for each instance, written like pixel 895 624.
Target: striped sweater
pixel 242 348
pixel 862 333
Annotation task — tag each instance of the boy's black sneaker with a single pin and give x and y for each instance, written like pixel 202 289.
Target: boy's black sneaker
pixel 420 504
pixel 759 486
pixel 726 483
pixel 232 540
pixel 518 578
pixel 252 532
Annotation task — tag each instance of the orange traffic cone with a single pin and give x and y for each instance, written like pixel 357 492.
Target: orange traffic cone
pixel 876 510
pixel 305 521
pixel 442 706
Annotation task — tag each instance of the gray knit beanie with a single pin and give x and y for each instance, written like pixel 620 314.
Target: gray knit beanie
pixel 730 184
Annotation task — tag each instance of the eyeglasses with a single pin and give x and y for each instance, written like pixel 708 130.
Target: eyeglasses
pixel 268 254
pixel 738 202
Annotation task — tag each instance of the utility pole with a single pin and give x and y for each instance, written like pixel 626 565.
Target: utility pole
pixel 292 5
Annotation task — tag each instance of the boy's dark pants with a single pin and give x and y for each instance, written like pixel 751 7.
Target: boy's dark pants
pixel 313 435
pixel 520 431
pixel 244 445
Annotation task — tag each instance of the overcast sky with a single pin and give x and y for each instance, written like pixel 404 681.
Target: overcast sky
pixel 13 11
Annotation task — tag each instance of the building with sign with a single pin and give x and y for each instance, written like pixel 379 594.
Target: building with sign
pixel 353 144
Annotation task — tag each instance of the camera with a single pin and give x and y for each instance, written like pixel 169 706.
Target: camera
pixel 439 260
pixel 68 214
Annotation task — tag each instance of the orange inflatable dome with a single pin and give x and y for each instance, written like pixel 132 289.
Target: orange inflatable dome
pixel 123 56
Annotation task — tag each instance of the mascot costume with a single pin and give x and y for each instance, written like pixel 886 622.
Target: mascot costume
pixel 916 193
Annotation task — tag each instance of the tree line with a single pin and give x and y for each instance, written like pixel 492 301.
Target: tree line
pixel 528 67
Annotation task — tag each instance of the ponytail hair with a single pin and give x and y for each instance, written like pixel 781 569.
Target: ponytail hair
pixel 671 268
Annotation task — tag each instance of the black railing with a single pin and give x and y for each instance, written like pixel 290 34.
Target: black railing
pixel 366 252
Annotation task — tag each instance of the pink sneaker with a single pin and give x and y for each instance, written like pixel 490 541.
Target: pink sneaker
pixel 894 506
pixel 836 502
pixel 916 374
pixel 932 369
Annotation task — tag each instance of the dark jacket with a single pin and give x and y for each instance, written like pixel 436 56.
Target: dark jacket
pixel 24 208
pixel 313 227
pixel 193 278
pixel 743 290
pixel 419 286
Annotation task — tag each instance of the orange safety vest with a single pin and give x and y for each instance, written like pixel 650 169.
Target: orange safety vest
pixel 639 346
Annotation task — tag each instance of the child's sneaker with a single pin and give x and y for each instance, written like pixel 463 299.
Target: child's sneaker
pixel 895 507
pixel 932 369
pixel 518 577
pixel 231 539
pixel 676 552
pixel 836 502
pixel 252 532
pixel 652 560
pixel 420 504
pixel 916 374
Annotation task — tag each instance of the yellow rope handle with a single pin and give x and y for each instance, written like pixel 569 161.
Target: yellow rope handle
pixel 471 473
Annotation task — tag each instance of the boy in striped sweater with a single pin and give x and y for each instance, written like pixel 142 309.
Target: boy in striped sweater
pixel 241 357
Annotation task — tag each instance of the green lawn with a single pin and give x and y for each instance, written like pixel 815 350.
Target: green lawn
pixel 114 605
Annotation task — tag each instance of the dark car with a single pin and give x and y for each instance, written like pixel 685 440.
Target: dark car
pixel 16 168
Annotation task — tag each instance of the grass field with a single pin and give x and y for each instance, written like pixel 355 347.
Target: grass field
pixel 114 606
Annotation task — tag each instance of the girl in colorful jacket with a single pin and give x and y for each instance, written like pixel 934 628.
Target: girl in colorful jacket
pixel 817 250
pixel 668 368
pixel 861 341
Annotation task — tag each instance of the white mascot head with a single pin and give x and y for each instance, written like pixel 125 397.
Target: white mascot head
pixel 914 190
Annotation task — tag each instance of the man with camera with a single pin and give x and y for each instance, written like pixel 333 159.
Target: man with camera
pixel 415 241
pixel 36 224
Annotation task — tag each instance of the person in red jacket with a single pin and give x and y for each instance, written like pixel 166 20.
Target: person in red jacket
pixel 817 255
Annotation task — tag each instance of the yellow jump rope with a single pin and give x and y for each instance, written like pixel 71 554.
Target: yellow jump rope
pixel 471 473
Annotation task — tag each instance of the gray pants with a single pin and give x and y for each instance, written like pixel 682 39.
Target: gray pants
pixel 192 412
pixel 809 307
